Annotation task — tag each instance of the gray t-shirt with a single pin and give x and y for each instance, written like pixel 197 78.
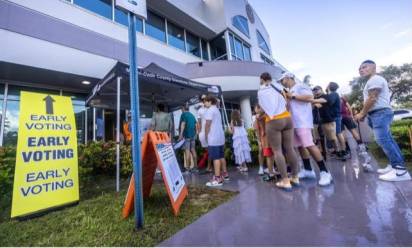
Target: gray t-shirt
pixel 384 97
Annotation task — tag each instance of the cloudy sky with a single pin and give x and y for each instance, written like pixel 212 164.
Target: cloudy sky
pixel 329 38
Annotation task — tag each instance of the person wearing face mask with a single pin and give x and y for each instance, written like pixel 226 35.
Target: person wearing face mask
pixel 279 129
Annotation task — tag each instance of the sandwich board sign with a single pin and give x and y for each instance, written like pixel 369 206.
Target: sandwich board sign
pixel 46 173
pixel 157 151
pixel 137 7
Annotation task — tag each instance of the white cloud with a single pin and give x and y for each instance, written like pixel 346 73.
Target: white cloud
pixel 387 25
pixel 403 33
pixel 397 57
pixel 296 66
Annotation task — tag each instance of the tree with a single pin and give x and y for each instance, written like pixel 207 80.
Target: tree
pixel 399 81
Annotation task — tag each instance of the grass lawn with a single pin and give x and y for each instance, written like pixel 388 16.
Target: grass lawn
pixel 96 220
pixel 381 158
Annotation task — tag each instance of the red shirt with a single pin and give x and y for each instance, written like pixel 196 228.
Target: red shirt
pixel 344 108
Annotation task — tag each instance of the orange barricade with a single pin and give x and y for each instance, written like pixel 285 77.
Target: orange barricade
pixel 155 146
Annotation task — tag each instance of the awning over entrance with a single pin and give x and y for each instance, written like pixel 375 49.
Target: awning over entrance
pixel 156 85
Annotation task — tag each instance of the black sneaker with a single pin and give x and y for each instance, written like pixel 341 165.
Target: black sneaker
pixel 341 156
pixel 268 177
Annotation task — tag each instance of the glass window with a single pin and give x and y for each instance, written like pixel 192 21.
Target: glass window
pixel 238 49
pixel 101 7
pixel 218 48
pixel 79 108
pixel 205 54
pixel 176 36
pixel 262 43
pixel 121 17
pixel 266 60
pixel 193 45
pixel 232 45
pixel 155 26
pixel 241 23
pixel 246 52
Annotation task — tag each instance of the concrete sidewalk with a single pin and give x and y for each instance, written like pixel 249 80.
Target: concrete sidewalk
pixel 357 210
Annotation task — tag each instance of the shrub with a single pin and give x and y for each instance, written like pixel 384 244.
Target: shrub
pixel 401 134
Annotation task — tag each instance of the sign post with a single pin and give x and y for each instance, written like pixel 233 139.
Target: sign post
pixel 135 7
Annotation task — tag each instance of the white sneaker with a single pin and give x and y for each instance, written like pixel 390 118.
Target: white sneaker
pixel 266 171
pixel 306 174
pixel 396 175
pixel 325 178
pixel 261 171
pixel 385 170
pixel 362 148
pixel 215 182
pixel 367 167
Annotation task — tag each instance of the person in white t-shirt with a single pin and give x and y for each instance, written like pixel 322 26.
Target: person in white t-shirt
pixel 201 129
pixel 279 129
pixel 215 138
pixel 301 99
pixel 377 107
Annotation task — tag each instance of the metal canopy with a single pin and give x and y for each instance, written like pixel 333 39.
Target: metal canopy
pixel 157 85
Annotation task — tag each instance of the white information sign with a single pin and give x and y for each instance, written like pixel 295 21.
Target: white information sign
pixel 137 7
pixel 174 177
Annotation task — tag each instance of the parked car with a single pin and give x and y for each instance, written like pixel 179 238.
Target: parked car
pixel 402 114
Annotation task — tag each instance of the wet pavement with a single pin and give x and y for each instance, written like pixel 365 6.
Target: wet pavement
pixel 356 210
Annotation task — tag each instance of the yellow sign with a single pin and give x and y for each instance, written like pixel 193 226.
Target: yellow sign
pixel 46 174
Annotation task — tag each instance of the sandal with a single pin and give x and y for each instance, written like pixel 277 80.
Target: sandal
pixel 284 184
pixel 295 181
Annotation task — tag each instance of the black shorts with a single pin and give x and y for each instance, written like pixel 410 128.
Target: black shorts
pixel 216 152
pixel 348 123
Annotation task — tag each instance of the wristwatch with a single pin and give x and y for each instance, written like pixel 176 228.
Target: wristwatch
pixel 293 97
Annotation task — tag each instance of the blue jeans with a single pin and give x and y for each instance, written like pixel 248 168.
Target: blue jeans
pixel 380 122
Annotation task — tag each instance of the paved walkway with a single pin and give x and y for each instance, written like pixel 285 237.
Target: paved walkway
pixel 357 210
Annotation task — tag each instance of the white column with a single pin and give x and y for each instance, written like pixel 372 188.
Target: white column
pixel 246 111
pixel 228 48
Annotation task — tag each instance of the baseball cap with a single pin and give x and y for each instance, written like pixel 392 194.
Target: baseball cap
pixel 286 75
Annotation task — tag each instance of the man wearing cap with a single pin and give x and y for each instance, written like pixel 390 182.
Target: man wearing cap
pixel 377 108
pixel 301 98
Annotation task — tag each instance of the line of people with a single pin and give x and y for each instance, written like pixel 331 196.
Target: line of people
pixel 290 117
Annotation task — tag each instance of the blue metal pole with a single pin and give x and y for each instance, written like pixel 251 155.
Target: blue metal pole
pixel 135 113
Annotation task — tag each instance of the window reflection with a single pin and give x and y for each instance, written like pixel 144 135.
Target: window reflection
pixel 155 26
pixel 193 44
pixel 176 36
pixel 100 7
pixel 121 17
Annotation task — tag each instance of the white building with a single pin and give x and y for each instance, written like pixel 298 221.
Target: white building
pixel 59 46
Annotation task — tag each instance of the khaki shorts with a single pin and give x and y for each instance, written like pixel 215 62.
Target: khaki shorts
pixel 329 129
pixel 315 132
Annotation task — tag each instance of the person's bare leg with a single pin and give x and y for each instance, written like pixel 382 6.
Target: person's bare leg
pixel 188 159
pixel 194 154
pixel 217 167
pixel 269 164
pixel 355 134
pixel 223 164
pixel 342 142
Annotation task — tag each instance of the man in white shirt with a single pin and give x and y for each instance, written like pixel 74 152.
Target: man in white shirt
pixel 201 129
pixel 377 108
pixel 301 99
pixel 215 138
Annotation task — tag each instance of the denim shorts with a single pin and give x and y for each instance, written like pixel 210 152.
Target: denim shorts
pixel 216 152
pixel 338 121
pixel 189 144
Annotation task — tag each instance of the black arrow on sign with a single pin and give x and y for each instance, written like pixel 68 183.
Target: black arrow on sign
pixel 49 104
